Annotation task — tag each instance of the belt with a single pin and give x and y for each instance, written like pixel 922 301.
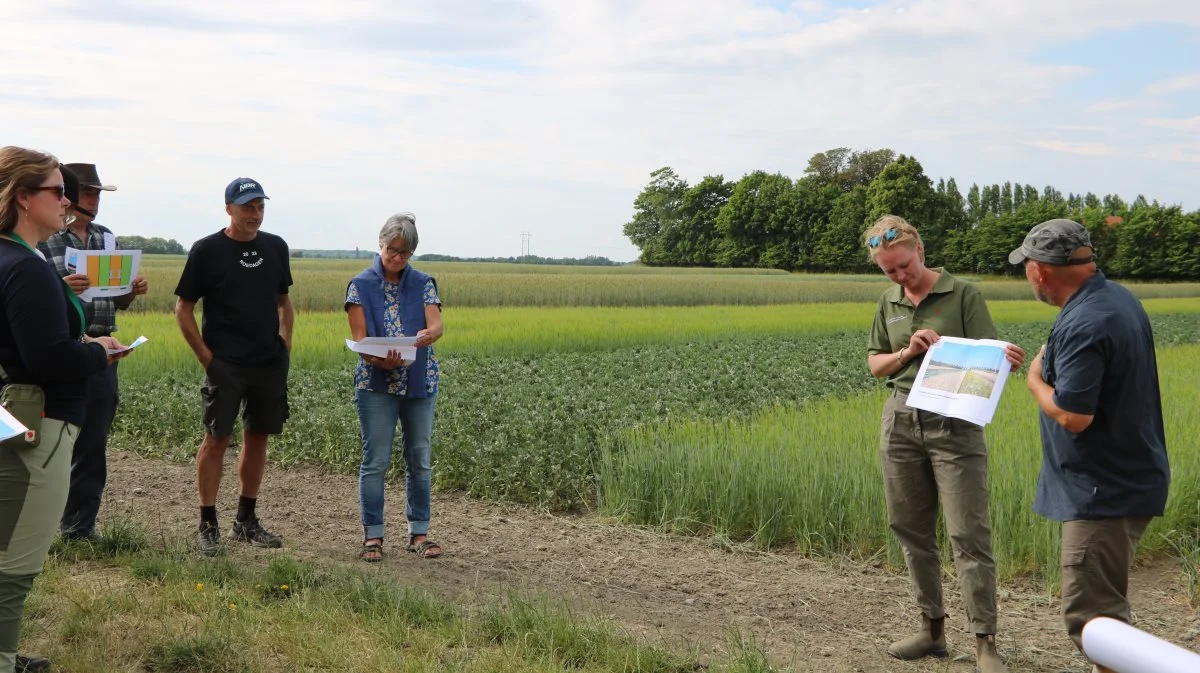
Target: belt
pixel 96 334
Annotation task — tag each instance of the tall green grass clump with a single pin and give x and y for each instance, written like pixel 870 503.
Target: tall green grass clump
pixel 809 476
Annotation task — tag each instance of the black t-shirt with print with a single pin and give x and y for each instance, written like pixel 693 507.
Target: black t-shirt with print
pixel 240 284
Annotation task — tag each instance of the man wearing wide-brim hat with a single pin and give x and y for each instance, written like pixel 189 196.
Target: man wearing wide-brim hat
pixel 1104 456
pixel 89 468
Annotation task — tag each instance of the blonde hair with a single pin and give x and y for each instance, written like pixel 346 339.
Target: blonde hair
pixel 888 232
pixel 20 169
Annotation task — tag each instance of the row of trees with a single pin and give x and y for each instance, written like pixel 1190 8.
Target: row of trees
pixel 816 223
pixel 152 246
pixel 590 260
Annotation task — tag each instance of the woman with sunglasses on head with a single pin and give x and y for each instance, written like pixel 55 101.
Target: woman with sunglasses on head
pixel 926 455
pixel 392 299
pixel 41 343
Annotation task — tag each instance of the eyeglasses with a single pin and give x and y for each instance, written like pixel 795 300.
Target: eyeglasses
pixel 889 236
pixel 399 253
pixel 61 189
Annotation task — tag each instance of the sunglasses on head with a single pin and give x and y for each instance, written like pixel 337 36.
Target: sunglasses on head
pixel 889 235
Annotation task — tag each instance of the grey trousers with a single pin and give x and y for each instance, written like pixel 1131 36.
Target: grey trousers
pixel 925 457
pixel 33 491
pixel 1096 556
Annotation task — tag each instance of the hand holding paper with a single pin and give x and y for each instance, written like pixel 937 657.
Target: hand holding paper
pixel 124 349
pixel 78 282
pixel 382 347
pixel 963 378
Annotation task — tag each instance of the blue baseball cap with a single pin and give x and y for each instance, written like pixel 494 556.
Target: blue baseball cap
pixel 244 190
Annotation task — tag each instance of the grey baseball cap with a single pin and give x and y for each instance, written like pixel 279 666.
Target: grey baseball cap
pixel 1053 242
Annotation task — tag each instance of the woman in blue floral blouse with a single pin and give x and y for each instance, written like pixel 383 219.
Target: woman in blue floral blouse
pixel 392 299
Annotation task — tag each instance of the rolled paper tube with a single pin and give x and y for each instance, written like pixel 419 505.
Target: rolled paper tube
pixel 1122 648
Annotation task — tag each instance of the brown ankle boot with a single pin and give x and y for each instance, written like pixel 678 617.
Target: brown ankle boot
pixel 930 641
pixel 987 659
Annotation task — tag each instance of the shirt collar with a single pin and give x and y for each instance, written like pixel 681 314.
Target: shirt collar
pixel 944 284
pixel 1089 287
pixel 91 230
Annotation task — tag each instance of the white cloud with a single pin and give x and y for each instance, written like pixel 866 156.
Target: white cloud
pixel 1187 153
pixel 1079 128
pixel 1082 149
pixel 809 6
pixel 1189 125
pixel 1177 84
pixel 542 115
pixel 1122 105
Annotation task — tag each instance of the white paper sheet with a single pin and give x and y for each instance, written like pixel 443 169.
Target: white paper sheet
pixel 9 425
pixel 110 272
pixel 962 378
pixel 1121 647
pixel 136 342
pixel 379 347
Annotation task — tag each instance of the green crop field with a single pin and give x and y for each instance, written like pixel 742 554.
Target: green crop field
pixel 320 285
pixel 763 415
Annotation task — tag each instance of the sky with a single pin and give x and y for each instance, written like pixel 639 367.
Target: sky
pixel 970 356
pixel 489 119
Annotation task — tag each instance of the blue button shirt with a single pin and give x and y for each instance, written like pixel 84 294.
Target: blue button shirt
pixel 1100 360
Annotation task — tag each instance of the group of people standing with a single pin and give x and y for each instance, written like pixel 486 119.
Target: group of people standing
pixel 51 338
pixel 1104 468
pixel 1104 472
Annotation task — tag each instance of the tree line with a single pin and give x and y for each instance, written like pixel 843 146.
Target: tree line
pixel 151 246
pixel 589 260
pixel 815 223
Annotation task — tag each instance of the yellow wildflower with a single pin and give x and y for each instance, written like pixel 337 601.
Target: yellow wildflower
pixel 199 586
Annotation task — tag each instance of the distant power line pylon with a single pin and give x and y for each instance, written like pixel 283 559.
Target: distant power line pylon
pixel 526 239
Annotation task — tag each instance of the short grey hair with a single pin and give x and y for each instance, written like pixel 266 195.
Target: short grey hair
pixel 400 225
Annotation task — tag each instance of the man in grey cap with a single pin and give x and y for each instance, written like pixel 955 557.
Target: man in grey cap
pixel 89 462
pixel 1104 457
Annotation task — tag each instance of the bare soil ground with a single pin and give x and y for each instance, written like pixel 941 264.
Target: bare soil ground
pixel 809 615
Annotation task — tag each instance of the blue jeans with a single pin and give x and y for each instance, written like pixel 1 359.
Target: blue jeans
pixel 377 415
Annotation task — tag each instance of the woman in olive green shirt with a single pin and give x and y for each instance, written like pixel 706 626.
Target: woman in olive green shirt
pixel 926 455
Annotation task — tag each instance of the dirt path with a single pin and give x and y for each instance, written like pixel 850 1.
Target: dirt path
pixel 812 615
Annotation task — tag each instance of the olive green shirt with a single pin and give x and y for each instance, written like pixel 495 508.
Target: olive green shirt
pixel 953 308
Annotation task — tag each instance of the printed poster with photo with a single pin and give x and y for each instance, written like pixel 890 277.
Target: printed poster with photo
pixel 962 378
pixel 110 272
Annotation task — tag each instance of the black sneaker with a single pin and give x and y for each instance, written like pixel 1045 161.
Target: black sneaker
pixel 80 536
pixel 252 531
pixel 208 542
pixel 31 664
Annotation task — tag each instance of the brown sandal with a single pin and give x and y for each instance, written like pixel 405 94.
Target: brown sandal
pixel 425 548
pixel 371 552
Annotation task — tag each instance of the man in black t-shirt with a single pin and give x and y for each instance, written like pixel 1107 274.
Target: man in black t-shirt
pixel 243 275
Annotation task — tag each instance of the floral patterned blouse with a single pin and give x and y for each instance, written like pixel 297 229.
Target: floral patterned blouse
pixel 397 379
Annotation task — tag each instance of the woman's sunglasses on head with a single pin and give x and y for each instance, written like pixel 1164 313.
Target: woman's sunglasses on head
pixel 889 236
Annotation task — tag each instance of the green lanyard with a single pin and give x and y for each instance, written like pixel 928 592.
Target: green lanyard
pixel 70 293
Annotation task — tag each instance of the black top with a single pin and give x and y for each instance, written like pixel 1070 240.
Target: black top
pixel 240 283
pixel 39 340
pixel 1100 360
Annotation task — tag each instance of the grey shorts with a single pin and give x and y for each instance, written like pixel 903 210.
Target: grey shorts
pixel 258 393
